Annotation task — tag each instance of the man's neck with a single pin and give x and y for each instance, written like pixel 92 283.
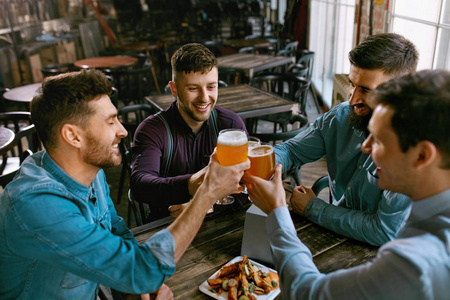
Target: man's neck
pixel 75 167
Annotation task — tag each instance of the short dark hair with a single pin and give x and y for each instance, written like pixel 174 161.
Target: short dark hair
pixel 193 57
pixel 64 99
pixel 421 105
pixel 390 52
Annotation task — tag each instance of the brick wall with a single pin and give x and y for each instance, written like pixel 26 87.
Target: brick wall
pixel 372 18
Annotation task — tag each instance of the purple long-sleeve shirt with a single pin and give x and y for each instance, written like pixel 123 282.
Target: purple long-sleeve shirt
pixel 190 154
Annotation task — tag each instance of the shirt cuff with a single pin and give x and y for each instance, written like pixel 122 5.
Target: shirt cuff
pixel 162 245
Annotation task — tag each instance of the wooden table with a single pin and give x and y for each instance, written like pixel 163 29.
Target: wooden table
pixel 22 93
pixel 251 63
pixel 236 44
pixel 106 62
pixel 219 240
pixel 245 100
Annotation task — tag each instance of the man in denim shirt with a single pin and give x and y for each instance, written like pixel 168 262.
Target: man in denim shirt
pixel 409 143
pixel 360 209
pixel 60 236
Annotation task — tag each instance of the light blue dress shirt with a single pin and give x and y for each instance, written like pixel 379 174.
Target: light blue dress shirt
pixel 59 239
pixel 360 210
pixel 416 266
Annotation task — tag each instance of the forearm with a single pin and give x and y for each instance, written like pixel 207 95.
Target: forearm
pixel 159 191
pixel 360 225
pixel 186 226
pixel 300 278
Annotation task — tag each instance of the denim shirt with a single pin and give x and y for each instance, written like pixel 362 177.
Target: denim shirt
pixel 361 209
pixel 416 266
pixel 59 239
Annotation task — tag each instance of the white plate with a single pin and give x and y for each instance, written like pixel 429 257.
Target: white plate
pixel 206 288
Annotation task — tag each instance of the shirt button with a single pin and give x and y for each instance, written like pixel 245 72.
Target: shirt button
pixel 349 188
pixel 360 167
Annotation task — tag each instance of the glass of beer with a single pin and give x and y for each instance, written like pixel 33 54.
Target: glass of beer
pixel 262 161
pixel 232 149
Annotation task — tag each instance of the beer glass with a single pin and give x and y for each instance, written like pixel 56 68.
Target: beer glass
pixel 262 161
pixel 232 149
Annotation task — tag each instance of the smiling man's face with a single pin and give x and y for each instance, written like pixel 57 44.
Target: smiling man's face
pixel 362 82
pixel 197 96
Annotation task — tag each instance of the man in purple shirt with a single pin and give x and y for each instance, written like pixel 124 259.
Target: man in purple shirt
pixel 171 149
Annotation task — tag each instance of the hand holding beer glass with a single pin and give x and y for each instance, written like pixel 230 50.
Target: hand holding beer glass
pixel 232 149
pixel 262 161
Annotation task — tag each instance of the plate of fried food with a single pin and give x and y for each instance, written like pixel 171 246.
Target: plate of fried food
pixel 242 279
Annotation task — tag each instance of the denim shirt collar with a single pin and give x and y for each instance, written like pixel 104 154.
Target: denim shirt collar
pixel 75 187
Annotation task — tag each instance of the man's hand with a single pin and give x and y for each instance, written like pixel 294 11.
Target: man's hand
pixel 267 195
pixel 221 181
pixel 175 210
pixel 301 195
pixel 196 180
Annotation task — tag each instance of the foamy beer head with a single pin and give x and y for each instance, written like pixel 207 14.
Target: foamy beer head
pixel 232 147
pixel 262 161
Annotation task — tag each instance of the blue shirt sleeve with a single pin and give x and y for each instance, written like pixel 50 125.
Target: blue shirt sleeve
pixel 389 276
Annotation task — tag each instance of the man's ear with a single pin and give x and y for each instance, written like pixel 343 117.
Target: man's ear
pixel 173 89
pixel 71 135
pixel 426 154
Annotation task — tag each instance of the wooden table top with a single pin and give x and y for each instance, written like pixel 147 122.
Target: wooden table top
pixel 251 63
pixel 22 93
pixel 6 139
pixel 219 241
pixel 241 43
pixel 105 62
pixel 142 46
pixel 245 100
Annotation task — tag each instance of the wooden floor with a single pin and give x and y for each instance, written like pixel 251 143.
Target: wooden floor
pixel 308 174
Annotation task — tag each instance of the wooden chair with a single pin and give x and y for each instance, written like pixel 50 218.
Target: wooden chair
pixel 306 58
pixel 287 86
pixel 130 116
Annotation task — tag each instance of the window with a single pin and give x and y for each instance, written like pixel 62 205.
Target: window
pixel 331 38
pixel 427 25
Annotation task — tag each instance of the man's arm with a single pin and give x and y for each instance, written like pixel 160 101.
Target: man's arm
pixel 390 276
pixel 376 228
pixel 185 227
pixel 147 151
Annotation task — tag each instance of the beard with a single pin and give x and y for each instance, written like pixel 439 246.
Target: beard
pixel 357 121
pixel 100 155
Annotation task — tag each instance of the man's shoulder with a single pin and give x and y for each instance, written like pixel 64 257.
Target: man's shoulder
pixel 229 118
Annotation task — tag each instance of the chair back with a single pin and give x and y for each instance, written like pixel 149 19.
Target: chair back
pixel 306 58
pixel 130 116
pixel 285 85
pixel 298 70
pixel 56 69
pixel 26 142
pixel 132 84
pixel 276 137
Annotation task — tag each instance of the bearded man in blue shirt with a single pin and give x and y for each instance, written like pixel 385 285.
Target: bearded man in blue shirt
pixel 360 209
pixel 60 236
pixel 410 146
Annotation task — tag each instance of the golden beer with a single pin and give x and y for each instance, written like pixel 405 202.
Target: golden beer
pixel 232 147
pixel 262 161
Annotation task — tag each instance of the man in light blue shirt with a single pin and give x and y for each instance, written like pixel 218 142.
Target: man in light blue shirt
pixel 360 209
pixel 60 236
pixel 409 143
